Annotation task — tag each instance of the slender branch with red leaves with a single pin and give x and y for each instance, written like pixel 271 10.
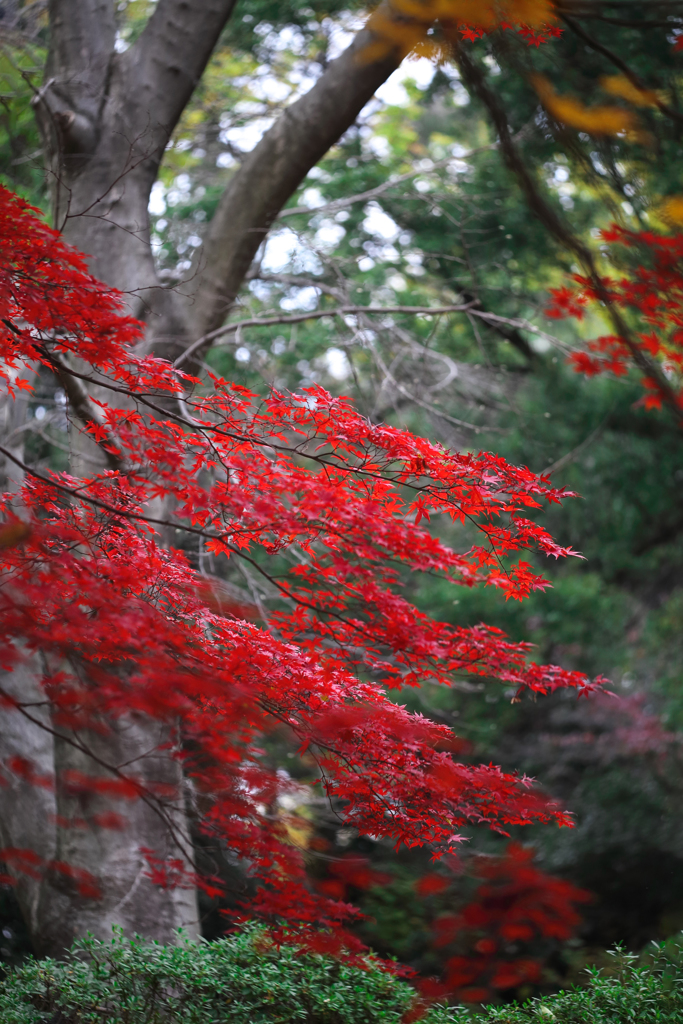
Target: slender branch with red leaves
pixel 327 509
pixel 649 292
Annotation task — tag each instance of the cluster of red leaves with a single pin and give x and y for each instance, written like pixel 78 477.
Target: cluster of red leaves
pixel 532 35
pixel 432 28
pixel 652 291
pixel 318 501
pixel 516 904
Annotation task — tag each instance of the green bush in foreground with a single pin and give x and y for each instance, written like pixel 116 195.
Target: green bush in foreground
pixel 241 980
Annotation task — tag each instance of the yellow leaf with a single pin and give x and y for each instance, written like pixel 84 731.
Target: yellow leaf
pixel 391 34
pixel 672 209
pixel 297 830
pixel 484 14
pixel 601 120
pixel 534 13
pixel 620 85
pixel 432 49
pixel 469 12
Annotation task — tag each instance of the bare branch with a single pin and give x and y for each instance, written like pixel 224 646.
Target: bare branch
pixel 372 193
pixel 317 314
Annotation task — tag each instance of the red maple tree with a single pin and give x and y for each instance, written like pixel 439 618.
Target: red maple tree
pixel 645 305
pixel 123 623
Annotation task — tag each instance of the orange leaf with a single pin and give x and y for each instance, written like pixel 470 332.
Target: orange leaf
pixel 600 120
pixel 671 209
pixel 14 533
pixel 620 85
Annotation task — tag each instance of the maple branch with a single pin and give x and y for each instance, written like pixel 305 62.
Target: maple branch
pixel 474 79
pixel 595 10
pixel 270 444
pixel 570 456
pixel 623 67
pixel 147 797
pixel 518 323
pixel 428 406
pixel 78 492
pixel 298 281
pixel 87 411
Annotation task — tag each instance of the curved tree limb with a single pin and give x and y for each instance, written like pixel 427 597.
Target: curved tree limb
pixel 275 168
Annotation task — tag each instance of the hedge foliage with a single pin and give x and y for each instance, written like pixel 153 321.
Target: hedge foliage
pixel 243 980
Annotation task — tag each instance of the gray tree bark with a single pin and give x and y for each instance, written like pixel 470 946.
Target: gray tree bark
pixel 106 119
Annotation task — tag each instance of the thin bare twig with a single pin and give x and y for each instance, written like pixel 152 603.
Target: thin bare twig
pixel 317 314
pixel 372 193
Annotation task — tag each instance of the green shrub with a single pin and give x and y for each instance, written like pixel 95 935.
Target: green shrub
pixel 241 980
pixel 648 994
pixel 237 979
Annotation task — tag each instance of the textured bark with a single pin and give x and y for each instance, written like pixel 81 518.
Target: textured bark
pixel 106 118
pixel 113 856
pixel 27 812
pixel 55 911
pixel 13 412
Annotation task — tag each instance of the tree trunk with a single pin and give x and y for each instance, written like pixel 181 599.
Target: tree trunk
pixel 106 118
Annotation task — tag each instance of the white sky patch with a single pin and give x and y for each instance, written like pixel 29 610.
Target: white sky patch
pixel 225 160
pixel 157 201
pixel 379 223
pixel 337 363
pixel 301 298
pixel 312 197
pixel 414 261
pixel 318 174
pixel 280 250
pixel 379 146
pixel 419 71
pixel 246 136
pixel 261 290
pixel 329 235
pixel 288 38
pixel 341 33
pixel 397 282
pixel 182 186
pixel 284 249
pixel 242 107
pixel 271 89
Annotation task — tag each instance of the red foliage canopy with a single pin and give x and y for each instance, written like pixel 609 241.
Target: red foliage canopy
pixel 515 903
pixel 650 292
pixel 324 505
